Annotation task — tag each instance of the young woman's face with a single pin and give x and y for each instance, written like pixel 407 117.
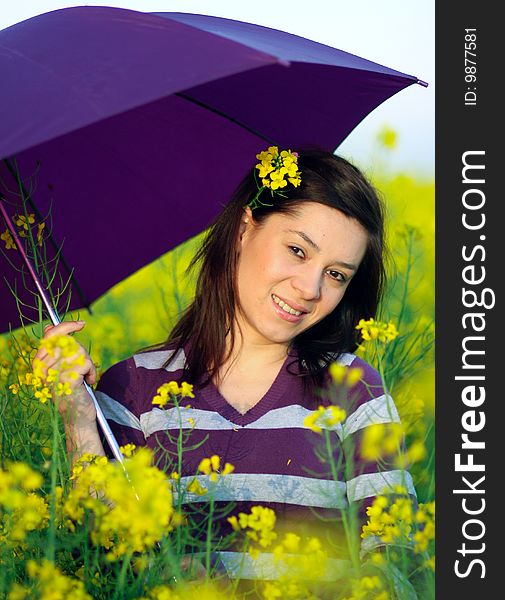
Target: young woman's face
pixel 295 263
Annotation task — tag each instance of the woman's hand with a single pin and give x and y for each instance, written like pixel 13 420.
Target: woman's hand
pixel 71 370
pixel 77 408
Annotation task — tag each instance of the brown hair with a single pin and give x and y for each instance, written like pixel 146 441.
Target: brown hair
pixel 327 179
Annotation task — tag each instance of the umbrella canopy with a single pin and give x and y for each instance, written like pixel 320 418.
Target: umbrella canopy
pixel 133 129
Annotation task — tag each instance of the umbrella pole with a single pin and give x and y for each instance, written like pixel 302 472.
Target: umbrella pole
pixel 55 319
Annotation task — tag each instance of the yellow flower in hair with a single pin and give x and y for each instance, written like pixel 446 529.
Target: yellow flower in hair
pixel 276 170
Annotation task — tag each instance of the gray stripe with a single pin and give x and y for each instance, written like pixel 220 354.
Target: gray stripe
pixel 287 416
pixel 376 411
pixel 371 543
pixel 161 420
pixel 193 418
pixel 346 359
pixel 115 411
pixel 266 567
pixel 372 484
pixel 156 359
pixel 288 489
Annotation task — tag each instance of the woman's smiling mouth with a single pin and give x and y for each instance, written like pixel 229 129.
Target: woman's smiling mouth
pixel 286 311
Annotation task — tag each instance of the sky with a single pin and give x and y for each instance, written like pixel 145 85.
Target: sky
pixel 399 34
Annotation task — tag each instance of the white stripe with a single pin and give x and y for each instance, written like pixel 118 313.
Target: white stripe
pixel 288 489
pixel 161 420
pixel 346 359
pixel 372 484
pixel 156 359
pixel 265 566
pixel 287 416
pixel 115 411
pixel 378 410
pixel 375 411
pixel 193 418
pixel 371 543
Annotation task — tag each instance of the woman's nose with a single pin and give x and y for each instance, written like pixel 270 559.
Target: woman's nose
pixel 308 283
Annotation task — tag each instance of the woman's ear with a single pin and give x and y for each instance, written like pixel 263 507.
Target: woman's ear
pixel 245 220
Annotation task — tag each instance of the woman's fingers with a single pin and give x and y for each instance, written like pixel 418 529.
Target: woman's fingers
pixel 64 328
pixel 80 363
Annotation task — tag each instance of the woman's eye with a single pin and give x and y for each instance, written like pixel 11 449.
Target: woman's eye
pixel 295 250
pixel 337 276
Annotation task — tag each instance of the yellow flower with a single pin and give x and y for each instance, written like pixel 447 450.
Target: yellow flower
pixel 387 137
pixel 8 239
pixel 415 453
pixel 381 440
pixel 22 221
pixel 391 520
pixel 196 488
pixel 233 521
pixel 276 170
pixel 40 229
pixel 21 509
pixel 63 389
pixel 211 467
pixel 187 390
pixel 324 418
pixel 172 389
pixel 127 450
pixel 345 375
pixel 130 514
pixel 51 584
pixel 259 523
pixel 377 330
pixel 43 394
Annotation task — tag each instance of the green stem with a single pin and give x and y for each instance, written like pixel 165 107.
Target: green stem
pixel 51 534
pixel 351 542
pixel 122 575
pixel 208 541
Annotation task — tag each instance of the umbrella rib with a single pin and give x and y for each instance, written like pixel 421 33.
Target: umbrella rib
pixel 70 271
pixel 225 116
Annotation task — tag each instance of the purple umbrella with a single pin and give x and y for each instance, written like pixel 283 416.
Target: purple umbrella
pixel 132 130
pixel 136 128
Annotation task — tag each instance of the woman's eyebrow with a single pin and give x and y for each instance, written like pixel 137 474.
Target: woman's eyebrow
pixel 311 242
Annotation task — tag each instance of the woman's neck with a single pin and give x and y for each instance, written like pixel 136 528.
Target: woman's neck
pixel 251 356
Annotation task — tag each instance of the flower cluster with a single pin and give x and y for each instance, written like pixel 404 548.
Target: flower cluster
pixel 276 170
pixel 325 417
pixel 343 375
pixel 391 521
pixel 397 521
pixel 369 587
pixel 259 523
pixel 381 440
pixel 131 513
pixel 43 383
pixel 169 390
pixel 49 583
pixel 301 563
pixel 425 521
pixel 377 330
pixel 210 466
pixel 21 509
pixel 24 224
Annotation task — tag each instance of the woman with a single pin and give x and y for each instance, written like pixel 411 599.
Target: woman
pixel 287 271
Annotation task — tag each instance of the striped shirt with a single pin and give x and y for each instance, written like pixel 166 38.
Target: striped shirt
pixel 277 458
